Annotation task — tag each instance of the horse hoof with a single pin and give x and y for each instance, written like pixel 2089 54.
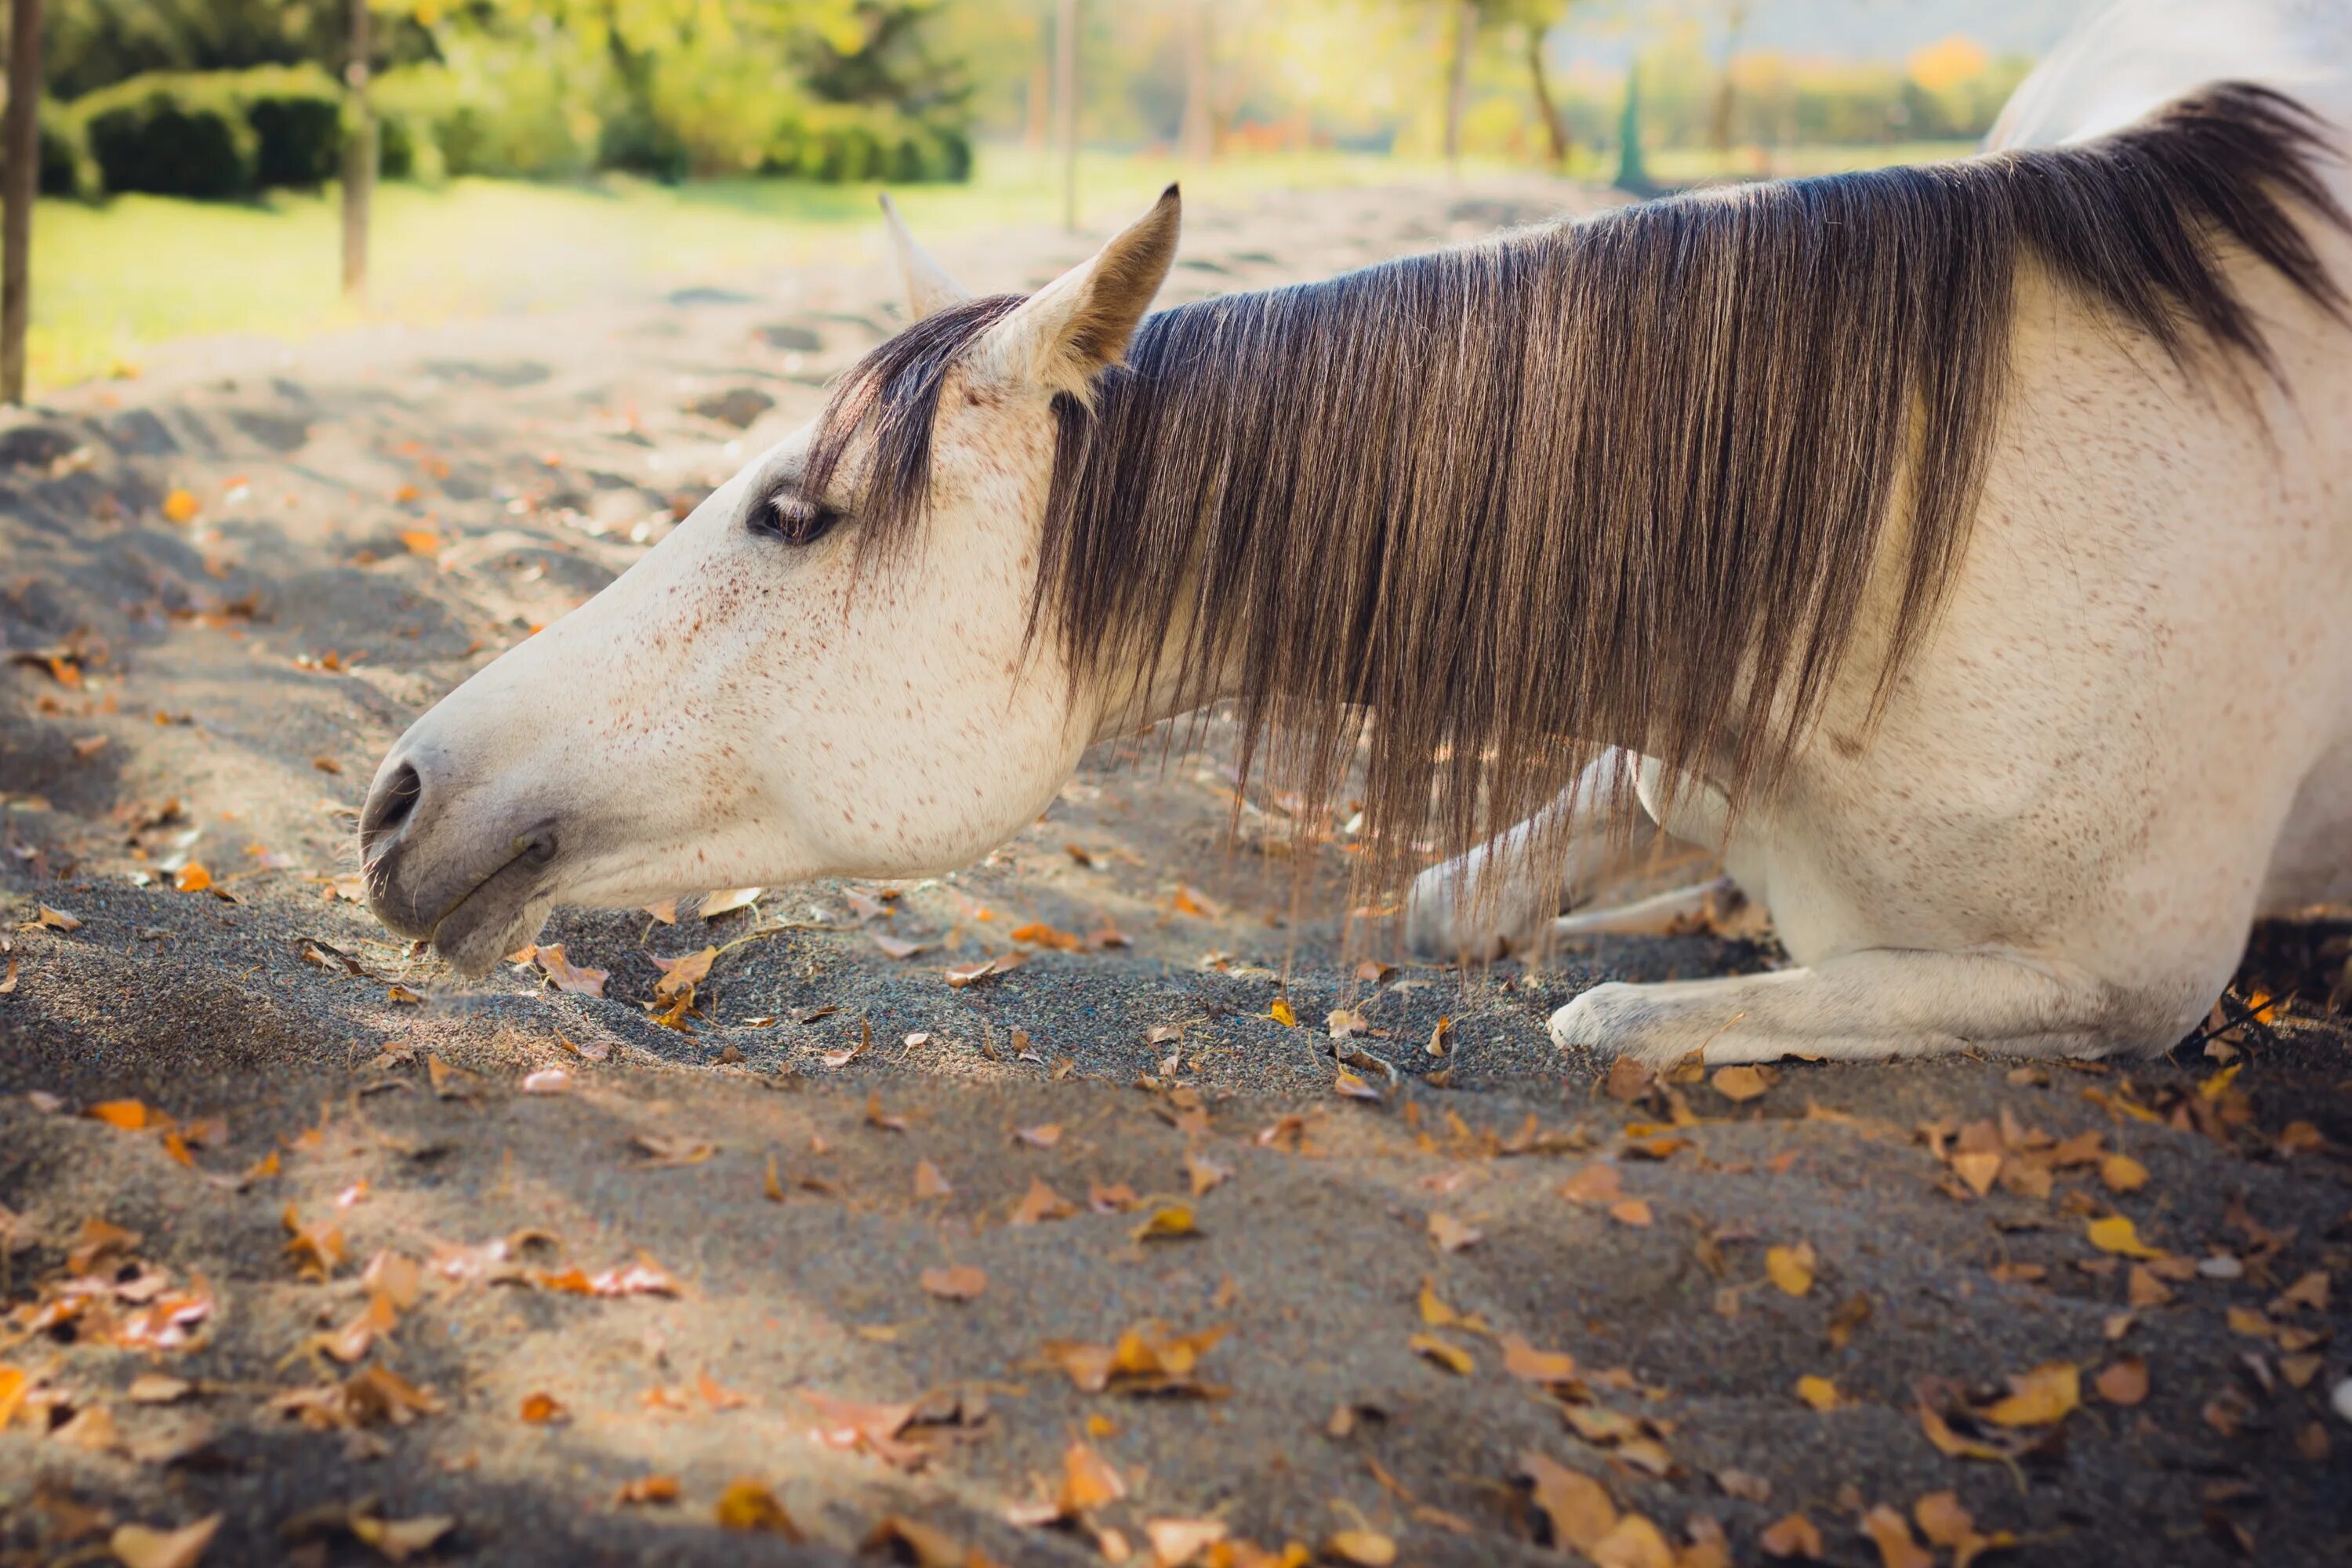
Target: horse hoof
pixel 1605 1020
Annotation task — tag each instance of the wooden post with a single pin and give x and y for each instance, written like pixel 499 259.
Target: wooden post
pixel 1067 23
pixel 359 159
pixel 1457 89
pixel 1198 135
pixel 21 136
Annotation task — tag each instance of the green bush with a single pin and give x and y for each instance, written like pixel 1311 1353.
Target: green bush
pixel 215 136
pixel 838 144
pixel 165 136
pixel 61 151
pixel 296 116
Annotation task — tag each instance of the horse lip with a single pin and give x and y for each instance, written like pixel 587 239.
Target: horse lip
pixel 496 903
pixel 533 851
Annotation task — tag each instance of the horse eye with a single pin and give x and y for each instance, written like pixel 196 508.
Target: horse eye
pixel 794 519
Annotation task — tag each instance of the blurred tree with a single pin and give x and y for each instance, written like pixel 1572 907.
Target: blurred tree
pixel 22 177
pixel 1734 23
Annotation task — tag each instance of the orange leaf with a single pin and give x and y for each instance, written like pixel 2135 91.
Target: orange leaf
pixel 130 1115
pixel 192 877
pixel 542 1410
pixel 181 507
pixel 647 1489
pixel 962 1282
pixel 1793 1536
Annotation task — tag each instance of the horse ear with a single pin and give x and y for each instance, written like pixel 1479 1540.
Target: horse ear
pixel 1062 336
pixel 929 289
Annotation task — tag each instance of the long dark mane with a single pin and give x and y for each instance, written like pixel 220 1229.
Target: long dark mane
pixel 1620 480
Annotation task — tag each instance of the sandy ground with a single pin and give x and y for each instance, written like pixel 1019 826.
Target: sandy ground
pixel 364 1249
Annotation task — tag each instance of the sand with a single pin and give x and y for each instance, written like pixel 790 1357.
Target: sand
pixel 378 514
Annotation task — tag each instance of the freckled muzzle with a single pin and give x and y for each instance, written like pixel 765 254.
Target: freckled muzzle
pixel 476 890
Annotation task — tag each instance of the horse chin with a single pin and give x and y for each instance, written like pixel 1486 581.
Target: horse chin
pixel 496 919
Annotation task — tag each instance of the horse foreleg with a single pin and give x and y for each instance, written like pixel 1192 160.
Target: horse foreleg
pixel 1867 1005
pixel 1660 914
pixel 1498 898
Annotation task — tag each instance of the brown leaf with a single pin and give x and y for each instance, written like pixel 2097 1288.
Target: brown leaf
pixel 929 1182
pixel 543 1410
pixel 138 1546
pixel 398 1539
pixel 1363 1547
pixel 682 975
pixel 1577 1507
pixel 1043 1136
pixel 1524 1362
pixel 2122 1174
pixel 1793 1536
pixel 1739 1084
pixel 1891 1533
pixel 647 1489
pixel 1452 1234
pixel 1943 1521
pixel 566 976
pixel 1445 1353
pixel 2123 1382
pixel 669 1151
pixel 2047 1394
pixel 1176 1542
pixel 909 1540
pixel 1742 1484
pixel 1791 1267
pixel 747 1505
pixel 1041 1204
pixel 960 1282
pixel 1089 1481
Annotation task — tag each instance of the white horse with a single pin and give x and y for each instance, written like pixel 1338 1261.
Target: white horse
pixel 1967 551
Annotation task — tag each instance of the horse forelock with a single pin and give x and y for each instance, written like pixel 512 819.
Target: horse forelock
pixel 1461 518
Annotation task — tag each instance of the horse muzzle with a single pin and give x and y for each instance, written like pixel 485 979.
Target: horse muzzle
pixel 441 864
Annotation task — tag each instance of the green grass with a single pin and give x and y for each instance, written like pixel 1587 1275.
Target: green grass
pixel 111 283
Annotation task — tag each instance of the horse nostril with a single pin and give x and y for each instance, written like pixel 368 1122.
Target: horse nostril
pixel 391 805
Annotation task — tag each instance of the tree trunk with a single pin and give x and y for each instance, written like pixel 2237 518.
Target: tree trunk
pixel 1038 132
pixel 1457 89
pixel 1726 95
pixel 22 136
pixel 1065 102
pixel 1199 136
pixel 1555 124
pixel 359 159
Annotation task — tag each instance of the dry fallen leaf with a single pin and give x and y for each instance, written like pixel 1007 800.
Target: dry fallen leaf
pixel 138 1546
pixel 2047 1393
pixel 398 1539
pixel 1791 1267
pixel 727 900
pixel 665 1152
pixel 747 1505
pixel 543 1410
pixel 960 1282
pixel 1793 1536
pixel 2122 1174
pixel 647 1489
pixel 181 507
pixel 1281 1013
pixel 1089 1481
pixel 2116 1233
pixel 1891 1533
pixel 1445 1353
pixel 1738 1084
pixel 568 976
pixel 1522 1361
pixel 1169 1222
pixel 2123 1382
pixel 1452 1234
pixel 1363 1547
pixel 192 877
pixel 1178 1543
pixel 1577 1507
pixel 128 1115
pixel 1041 1204
pixel 929 1182
pixel 1044 1136
pixel 1819 1392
